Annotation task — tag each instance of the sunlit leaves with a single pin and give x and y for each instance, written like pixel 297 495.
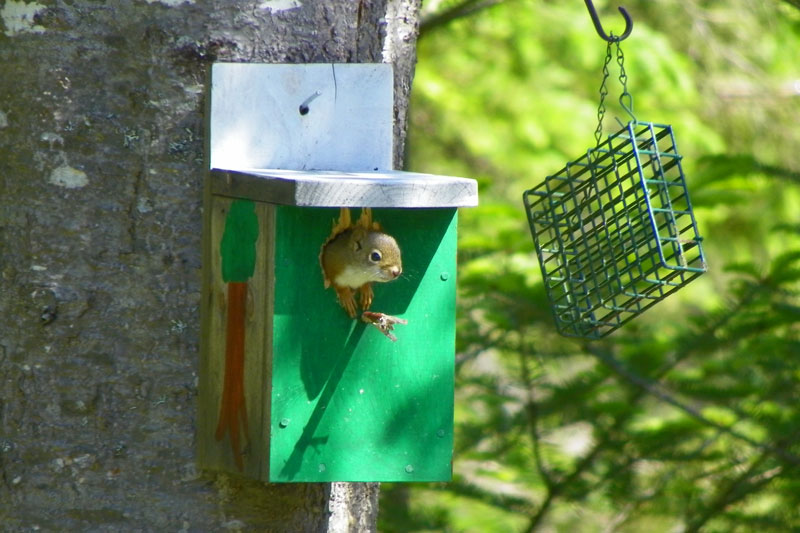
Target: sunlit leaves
pixel 688 416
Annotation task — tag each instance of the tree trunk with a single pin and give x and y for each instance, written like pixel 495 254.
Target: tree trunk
pixel 101 177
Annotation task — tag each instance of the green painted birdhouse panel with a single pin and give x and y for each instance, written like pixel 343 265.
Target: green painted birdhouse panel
pixel 347 402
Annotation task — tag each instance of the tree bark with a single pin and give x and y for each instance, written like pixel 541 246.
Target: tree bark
pixel 101 176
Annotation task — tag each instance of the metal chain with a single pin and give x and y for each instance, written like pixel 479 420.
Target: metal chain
pixel 625 99
pixel 601 110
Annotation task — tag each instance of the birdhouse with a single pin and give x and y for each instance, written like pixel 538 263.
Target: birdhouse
pixel 292 389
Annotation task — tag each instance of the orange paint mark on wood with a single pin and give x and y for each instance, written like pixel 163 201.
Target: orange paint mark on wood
pixel 233 409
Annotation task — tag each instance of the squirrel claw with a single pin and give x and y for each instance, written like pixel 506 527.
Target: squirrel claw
pixel 350 307
pixel 366 296
pixel 346 300
pixel 385 323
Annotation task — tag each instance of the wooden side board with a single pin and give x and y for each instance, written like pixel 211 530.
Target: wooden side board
pixel 212 453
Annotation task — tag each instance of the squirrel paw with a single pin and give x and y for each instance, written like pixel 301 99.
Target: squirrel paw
pixel 366 296
pixel 346 300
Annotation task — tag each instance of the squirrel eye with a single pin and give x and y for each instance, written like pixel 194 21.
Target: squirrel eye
pixel 375 256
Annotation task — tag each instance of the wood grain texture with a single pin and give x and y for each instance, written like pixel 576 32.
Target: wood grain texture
pixel 213 453
pixel 255 119
pixel 347 189
pixel 232 418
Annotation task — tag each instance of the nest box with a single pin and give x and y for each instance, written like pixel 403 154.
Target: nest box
pixel 292 388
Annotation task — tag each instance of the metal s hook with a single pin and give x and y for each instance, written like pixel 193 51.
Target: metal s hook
pixel 597 26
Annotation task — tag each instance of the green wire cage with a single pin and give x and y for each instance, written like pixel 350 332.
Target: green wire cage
pixel 614 231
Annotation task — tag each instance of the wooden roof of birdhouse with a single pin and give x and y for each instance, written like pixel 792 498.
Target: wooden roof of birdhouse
pixel 314 135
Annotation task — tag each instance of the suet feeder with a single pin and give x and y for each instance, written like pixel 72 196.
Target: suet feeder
pixel 291 388
pixel 614 231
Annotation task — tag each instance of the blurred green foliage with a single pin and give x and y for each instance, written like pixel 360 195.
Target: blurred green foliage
pixel 686 419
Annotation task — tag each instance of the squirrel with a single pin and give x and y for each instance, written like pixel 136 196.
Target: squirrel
pixel 356 255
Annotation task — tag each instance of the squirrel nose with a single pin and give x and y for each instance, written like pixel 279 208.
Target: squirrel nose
pixel 395 271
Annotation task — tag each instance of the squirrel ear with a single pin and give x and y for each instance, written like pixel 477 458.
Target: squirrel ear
pixel 356 245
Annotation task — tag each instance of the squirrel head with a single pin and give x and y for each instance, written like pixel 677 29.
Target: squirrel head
pixel 378 254
pixel 359 254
